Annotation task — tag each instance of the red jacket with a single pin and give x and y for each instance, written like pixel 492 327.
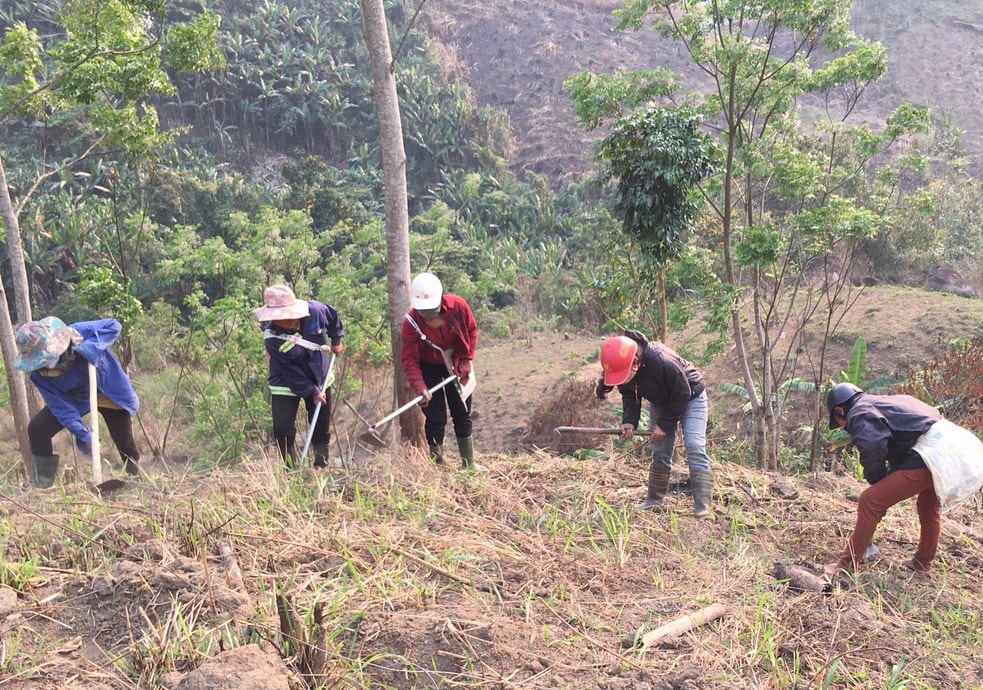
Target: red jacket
pixel 459 334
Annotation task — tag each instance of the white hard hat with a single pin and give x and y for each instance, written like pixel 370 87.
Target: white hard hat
pixel 427 291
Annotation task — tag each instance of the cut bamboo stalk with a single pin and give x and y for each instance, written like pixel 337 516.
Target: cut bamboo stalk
pixel 678 626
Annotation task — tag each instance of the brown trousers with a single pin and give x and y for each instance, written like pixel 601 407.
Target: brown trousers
pixel 877 498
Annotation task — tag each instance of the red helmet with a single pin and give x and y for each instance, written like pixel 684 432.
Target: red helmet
pixel 617 359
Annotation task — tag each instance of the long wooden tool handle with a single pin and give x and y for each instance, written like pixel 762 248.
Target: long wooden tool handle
pixel 94 422
pixel 317 408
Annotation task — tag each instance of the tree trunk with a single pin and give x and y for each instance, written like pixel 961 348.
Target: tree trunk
pixel 15 251
pixel 376 33
pixel 663 306
pixel 19 401
pixel 18 270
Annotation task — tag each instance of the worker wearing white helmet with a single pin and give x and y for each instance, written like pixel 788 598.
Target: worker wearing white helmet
pixel 439 337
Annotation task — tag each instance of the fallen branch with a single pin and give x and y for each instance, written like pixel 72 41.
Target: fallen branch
pixel 677 627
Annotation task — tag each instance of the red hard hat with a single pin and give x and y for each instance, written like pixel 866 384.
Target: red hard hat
pixel 617 358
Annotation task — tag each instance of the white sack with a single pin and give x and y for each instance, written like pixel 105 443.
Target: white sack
pixel 954 456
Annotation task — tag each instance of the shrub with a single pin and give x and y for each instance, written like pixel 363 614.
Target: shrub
pixel 953 382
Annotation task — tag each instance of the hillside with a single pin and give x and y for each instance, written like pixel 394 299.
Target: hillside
pixel 515 54
pixel 535 573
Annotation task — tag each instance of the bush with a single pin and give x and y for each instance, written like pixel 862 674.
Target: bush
pixel 953 382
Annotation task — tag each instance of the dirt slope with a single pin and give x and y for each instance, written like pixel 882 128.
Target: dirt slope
pixel 536 573
pixel 516 53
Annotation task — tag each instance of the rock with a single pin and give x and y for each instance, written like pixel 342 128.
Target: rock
pixel 784 488
pixel 151 550
pixel 169 581
pixel 170 680
pixel 244 668
pixel 8 601
pixel 103 585
pixel 799 578
pixel 947 279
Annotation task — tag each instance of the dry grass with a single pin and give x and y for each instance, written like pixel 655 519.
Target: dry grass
pixel 536 572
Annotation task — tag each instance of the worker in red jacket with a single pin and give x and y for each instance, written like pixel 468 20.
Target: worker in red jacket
pixel 440 336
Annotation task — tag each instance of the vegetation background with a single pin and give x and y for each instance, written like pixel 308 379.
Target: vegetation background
pixel 386 572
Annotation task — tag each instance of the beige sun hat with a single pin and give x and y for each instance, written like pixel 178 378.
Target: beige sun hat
pixel 282 305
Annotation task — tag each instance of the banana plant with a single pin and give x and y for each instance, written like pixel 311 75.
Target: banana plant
pixel 856 373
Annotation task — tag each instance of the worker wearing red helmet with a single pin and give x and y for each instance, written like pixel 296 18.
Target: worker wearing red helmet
pixel 677 397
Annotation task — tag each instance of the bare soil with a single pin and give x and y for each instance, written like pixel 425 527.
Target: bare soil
pixel 516 54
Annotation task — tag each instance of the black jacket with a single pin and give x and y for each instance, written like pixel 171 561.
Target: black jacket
pixel 664 379
pixel 884 429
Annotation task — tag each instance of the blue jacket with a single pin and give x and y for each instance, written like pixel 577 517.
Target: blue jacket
pixel 293 368
pixel 67 396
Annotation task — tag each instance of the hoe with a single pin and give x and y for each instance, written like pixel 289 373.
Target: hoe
pixel 372 438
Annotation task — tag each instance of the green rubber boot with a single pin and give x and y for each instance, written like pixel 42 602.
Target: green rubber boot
pixel 658 486
pixel 45 467
pixel 437 454
pixel 702 482
pixel 465 444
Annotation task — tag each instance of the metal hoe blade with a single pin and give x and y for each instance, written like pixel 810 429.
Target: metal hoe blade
pixel 372 438
pixel 108 486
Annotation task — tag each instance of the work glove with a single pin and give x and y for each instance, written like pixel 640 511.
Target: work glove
pixel 601 390
pixel 463 370
pixel 84 443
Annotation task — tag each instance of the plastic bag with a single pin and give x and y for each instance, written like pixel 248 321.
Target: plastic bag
pixel 954 456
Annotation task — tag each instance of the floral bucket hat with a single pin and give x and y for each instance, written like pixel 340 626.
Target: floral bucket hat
pixel 282 305
pixel 41 343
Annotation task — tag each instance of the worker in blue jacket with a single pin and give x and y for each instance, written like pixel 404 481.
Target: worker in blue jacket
pixel 58 357
pixel 298 336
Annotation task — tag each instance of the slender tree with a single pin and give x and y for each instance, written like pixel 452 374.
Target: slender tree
pixel 104 66
pixel 657 157
pixel 783 195
pixel 376 30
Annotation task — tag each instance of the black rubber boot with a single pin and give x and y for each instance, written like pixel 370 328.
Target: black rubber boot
pixel 658 486
pixel 320 455
pixel 437 454
pixel 465 444
pixel 45 468
pixel 702 483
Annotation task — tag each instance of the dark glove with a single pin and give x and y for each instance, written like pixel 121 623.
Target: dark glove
pixel 602 390
pixel 463 370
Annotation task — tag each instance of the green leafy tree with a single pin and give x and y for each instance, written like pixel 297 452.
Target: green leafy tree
pixel 656 157
pixel 103 63
pixel 783 197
